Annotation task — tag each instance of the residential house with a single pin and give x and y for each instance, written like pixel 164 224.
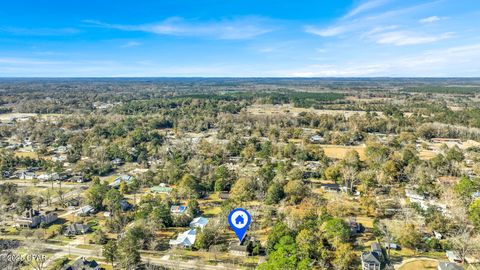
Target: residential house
pixel 355 227
pixel 85 211
pixel 185 239
pixel 73 202
pixel 59 158
pixel 48 177
pixel 373 259
pixel 82 264
pixel 316 139
pixel 125 205
pixel 243 248
pixel 330 187
pixel 449 266
pixel 123 178
pixel 446 141
pixel 118 161
pixel 78 179
pixel 26 175
pixel 162 188
pixel 453 256
pixel 414 197
pixel 392 246
pixel 61 149
pixel 224 195
pixel 76 229
pixel 32 218
pixel 178 209
pixel 199 222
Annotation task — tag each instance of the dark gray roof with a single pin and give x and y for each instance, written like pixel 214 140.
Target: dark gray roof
pixel 83 264
pixel 77 228
pixel 449 266
pixel 370 258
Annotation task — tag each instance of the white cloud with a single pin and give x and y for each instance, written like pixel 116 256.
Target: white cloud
pixel 326 32
pixel 430 19
pixel 131 44
pixel 448 62
pixel 366 6
pixel 238 28
pixel 403 38
pixel 38 31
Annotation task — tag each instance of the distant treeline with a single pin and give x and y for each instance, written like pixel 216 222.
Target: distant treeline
pixel 299 99
pixel 463 90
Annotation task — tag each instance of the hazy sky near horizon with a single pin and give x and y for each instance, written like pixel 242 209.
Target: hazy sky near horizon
pixel 240 38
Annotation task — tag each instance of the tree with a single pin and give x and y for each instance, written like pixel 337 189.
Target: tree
pixel 279 230
pixel 112 200
pixel 283 257
pixel 24 202
pixel 208 236
pixel 464 241
pixel 123 188
pixel 344 256
pixel 409 237
pixel 161 216
pixel 223 179
pixel 474 213
pixel 336 230
pixel 99 237
pixel 274 194
pixel 242 190
pixel 188 187
pixel 454 154
pixel 110 251
pixel 38 201
pixel 333 173
pixel 384 231
pixel 296 190
pixel 465 188
pixel 306 241
pixel 95 195
pixel 352 159
pixel 193 207
pixel 128 250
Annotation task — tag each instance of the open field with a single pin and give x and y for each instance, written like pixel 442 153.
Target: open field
pixel 339 152
pixel 31 155
pixel 426 154
pixel 289 109
pixel 8 117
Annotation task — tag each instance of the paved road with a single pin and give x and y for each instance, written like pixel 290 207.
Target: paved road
pixel 29 183
pixel 71 249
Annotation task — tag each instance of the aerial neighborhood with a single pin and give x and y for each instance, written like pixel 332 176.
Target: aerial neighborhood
pixel 332 180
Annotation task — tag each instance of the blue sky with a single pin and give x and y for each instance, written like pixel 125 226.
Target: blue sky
pixel 240 38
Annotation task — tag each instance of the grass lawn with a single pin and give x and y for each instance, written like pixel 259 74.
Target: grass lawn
pixel 31 155
pixel 367 222
pixel 89 247
pixel 339 151
pixel 211 211
pixel 419 265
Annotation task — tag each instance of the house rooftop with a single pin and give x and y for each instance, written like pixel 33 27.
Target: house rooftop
pixel 83 264
pixel 186 239
pixel 449 266
pixel 178 209
pixel 370 258
pixel 199 222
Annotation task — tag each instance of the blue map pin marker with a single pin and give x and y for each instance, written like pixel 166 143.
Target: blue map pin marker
pixel 239 220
